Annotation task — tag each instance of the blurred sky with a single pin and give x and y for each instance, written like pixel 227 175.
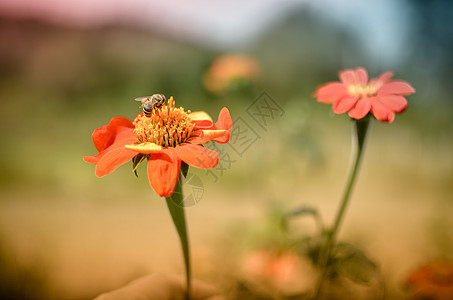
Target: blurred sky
pixel 228 25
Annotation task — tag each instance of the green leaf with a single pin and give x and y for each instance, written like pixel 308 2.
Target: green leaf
pixel 303 210
pixel 136 161
pixel 311 247
pixel 184 169
pixel 175 205
pixel 354 264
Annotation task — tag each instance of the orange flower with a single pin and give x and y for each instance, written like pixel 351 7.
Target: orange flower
pixel 358 96
pixel 274 267
pixel 227 69
pixel 280 271
pixel 166 138
pixel 432 281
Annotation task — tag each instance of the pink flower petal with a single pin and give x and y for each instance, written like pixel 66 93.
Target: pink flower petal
pixel 197 156
pixel 381 80
pixel 391 117
pixel 357 76
pixel 361 76
pixel 347 77
pixel 112 159
pixel 330 92
pixel 361 109
pixel 381 112
pixel 396 87
pixel 385 77
pixel 344 104
pixel 163 171
pixel 396 103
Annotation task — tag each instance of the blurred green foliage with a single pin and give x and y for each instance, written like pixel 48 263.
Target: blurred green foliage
pixel 58 84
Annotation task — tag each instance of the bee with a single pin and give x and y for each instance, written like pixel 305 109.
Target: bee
pixel 149 103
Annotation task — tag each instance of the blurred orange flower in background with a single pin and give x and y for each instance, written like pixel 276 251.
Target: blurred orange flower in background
pixel 283 271
pixel 166 138
pixel 356 95
pixel 433 281
pixel 227 70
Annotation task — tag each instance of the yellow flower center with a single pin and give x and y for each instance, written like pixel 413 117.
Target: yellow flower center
pixel 167 126
pixel 362 90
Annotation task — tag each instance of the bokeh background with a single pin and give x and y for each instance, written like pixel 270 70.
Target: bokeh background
pixel 66 68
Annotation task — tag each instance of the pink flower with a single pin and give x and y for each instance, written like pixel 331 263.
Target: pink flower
pixel 358 96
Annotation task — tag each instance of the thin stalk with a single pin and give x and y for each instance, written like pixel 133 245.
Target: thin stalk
pixel 175 205
pixel 359 137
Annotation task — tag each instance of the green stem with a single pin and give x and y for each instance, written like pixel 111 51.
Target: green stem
pixel 359 137
pixel 175 205
pixel 361 129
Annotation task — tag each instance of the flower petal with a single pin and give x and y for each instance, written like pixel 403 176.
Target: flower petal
pixel 330 92
pixel 390 117
pixel 104 136
pixel 145 148
pixel 385 77
pixel 344 104
pixel 223 123
pixel 201 119
pixel 207 135
pixel 357 76
pixel 396 87
pixel 163 171
pixel 381 112
pixel 91 159
pixel 396 103
pixel 121 121
pixel 122 138
pixel 112 159
pixel 361 109
pixel 197 156
pixel 381 80
pixel 361 76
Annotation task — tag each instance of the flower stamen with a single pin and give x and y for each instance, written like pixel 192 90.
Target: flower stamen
pixel 362 90
pixel 166 126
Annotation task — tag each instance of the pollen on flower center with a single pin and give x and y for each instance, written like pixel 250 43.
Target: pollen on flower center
pixel 362 90
pixel 167 126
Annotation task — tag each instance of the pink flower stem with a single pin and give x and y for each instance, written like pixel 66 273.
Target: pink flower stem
pixel 175 205
pixel 360 132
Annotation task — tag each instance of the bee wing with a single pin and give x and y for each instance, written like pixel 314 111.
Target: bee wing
pixel 141 99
